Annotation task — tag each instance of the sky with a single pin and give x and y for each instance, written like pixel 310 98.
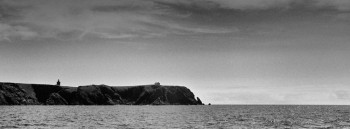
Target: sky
pixel 225 51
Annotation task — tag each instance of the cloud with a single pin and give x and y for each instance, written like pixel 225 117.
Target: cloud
pixel 343 5
pixel 66 18
pixel 110 19
pixel 103 19
pixel 229 4
pixel 253 4
pixel 8 32
pixel 203 30
pixel 120 36
pixel 341 94
pixel 261 4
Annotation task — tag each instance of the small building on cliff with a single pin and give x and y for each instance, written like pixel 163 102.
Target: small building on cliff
pixel 157 83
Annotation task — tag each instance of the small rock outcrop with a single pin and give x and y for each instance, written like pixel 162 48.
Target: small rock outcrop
pixel 56 99
pixel 40 94
pixel 199 101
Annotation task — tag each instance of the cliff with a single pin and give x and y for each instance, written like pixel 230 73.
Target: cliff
pixel 40 94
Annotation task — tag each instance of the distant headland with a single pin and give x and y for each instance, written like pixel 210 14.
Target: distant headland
pixel 45 94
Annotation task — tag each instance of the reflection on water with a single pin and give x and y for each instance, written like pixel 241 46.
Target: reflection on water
pixel 223 116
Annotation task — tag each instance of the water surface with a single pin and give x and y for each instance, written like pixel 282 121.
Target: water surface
pixel 199 116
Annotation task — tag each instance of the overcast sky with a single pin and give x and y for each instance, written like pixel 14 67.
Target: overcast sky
pixel 225 51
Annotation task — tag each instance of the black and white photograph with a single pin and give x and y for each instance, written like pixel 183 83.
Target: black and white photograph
pixel 175 64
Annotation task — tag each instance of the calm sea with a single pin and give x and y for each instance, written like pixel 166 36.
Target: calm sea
pixel 215 116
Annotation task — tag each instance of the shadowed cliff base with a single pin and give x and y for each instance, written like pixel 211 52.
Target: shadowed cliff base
pixel 42 94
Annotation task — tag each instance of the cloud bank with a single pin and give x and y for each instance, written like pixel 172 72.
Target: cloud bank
pixel 125 19
pixel 266 4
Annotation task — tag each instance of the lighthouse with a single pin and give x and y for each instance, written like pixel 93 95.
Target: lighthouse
pixel 58 82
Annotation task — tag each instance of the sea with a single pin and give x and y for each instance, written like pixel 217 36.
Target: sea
pixel 181 117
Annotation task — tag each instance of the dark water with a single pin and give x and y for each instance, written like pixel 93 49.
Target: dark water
pixel 230 116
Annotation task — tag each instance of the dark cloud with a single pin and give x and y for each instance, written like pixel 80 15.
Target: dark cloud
pixel 8 12
pixel 124 6
pixel 341 5
pixel 267 4
pixel 116 8
pixel 214 13
pixel 152 18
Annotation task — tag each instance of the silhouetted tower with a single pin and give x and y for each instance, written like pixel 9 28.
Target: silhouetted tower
pixel 58 82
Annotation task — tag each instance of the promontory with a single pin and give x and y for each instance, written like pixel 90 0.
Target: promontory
pixel 44 94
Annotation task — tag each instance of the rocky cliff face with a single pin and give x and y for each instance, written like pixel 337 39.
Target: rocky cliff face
pixel 39 94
